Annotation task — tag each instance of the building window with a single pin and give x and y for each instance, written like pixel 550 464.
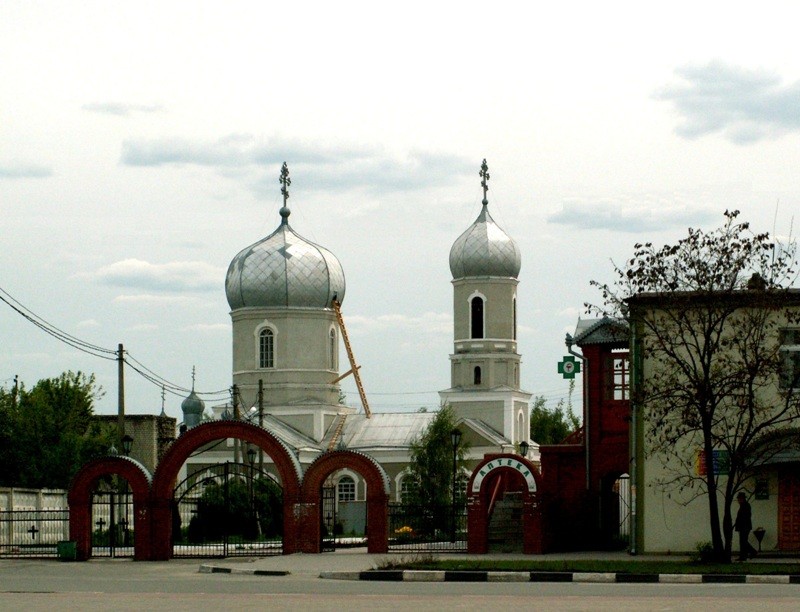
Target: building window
pixel 514 323
pixel 477 375
pixel 617 377
pixel 266 349
pixel 476 314
pixel 790 357
pixel 333 350
pixel 406 488
pixel 346 489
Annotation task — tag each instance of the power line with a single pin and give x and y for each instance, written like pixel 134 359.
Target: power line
pixel 95 350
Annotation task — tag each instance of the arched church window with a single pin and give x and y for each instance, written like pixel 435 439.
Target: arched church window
pixel 406 488
pixel 476 315
pixel 266 349
pixel 346 489
pixel 514 323
pixel 333 350
pixel 477 375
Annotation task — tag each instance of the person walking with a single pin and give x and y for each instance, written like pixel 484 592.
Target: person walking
pixel 744 524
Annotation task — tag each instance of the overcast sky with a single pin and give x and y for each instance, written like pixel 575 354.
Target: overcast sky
pixel 140 148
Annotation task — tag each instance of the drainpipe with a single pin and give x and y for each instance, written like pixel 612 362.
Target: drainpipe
pixel 584 402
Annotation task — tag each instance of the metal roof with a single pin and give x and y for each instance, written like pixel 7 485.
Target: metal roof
pixel 484 250
pixel 284 270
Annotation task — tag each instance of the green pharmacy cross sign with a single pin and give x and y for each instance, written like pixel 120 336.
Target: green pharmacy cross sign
pixel 568 367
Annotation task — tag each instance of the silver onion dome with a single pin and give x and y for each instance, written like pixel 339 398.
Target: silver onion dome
pixel 192 408
pixel 484 249
pixel 284 270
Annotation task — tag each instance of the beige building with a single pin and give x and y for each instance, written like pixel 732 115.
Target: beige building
pixel 286 338
pixel 671 506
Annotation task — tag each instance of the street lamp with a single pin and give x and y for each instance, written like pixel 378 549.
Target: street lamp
pixel 127 444
pixel 523 448
pixel 455 439
pixel 251 457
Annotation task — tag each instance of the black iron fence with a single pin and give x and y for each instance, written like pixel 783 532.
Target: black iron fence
pixel 32 533
pixel 427 528
pixel 112 524
pixel 227 510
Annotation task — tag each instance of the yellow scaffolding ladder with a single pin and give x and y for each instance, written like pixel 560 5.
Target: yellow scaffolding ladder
pixel 353 367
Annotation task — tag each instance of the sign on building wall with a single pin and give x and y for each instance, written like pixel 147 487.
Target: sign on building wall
pixel 568 367
pixel 720 458
pixel 501 463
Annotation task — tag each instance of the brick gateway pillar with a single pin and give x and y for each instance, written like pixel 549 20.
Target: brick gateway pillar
pixel 286 464
pixel 309 524
pixel 80 503
pixel 494 475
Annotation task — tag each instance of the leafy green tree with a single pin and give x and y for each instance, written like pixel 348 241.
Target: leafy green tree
pixel 48 432
pixel 431 469
pixel 707 314
pixel 248 510
pixel 552 426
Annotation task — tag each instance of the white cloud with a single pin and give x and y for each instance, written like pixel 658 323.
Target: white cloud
pixel 173 276
pixel 633 214
pixel 745 105
pixel 143 327
pixel 21 170
pixel 429 322
pixel 120 109
pixel 339 168
pixel 209 328
pixel 149 298
pixel 87 324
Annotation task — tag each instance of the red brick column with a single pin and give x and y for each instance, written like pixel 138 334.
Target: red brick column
pixel 286 464
pixel 80 503
pixel 377 498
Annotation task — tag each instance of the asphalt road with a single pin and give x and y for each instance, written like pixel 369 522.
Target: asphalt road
pixel 178 585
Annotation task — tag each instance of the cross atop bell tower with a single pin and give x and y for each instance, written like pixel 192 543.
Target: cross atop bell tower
pixel 484 174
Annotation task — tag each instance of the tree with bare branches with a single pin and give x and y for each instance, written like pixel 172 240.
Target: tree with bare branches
pixel 712 382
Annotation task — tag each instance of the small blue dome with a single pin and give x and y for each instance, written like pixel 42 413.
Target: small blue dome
pixel 193 408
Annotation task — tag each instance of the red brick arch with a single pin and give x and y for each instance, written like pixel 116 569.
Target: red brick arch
pixel 377 498
pixel 513 473
pixel 286 464
pixel 80 503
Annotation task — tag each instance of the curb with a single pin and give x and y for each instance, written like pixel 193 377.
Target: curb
pixel 580 577
pixel 213 569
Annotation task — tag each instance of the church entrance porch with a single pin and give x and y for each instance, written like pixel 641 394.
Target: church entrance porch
pixel 503 506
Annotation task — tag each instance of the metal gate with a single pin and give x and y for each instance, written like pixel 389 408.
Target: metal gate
pixel 32 533
pixel 429 528
pixel 328 519
pixel 228 509
pixel 112 523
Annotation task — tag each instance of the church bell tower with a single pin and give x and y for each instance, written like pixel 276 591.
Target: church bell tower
pixel 485 364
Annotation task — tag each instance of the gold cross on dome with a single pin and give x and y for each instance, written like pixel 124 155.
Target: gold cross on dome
pixel 285 181
pixel 484 174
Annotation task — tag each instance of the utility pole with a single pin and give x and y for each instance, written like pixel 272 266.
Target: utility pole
pixel 237 416
pixel 15 392
pixel 120 394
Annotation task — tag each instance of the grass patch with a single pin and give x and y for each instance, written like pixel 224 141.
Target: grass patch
pixel 585 565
